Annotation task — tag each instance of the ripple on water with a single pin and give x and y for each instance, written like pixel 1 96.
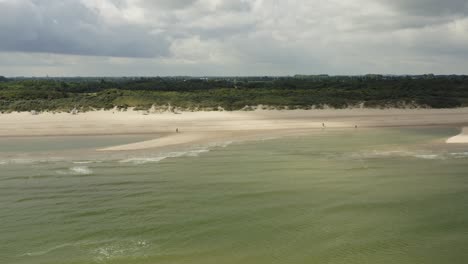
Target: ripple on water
pixel 101 251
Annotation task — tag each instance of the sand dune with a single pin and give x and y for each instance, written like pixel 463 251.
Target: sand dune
pixel 461 138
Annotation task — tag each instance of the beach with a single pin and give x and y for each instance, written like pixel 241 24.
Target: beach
pixel 462 138
pixel 197 127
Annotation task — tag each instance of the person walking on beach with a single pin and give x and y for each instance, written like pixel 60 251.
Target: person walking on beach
pixel 177 130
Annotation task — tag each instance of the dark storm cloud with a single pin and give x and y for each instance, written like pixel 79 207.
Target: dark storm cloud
pixel 68 27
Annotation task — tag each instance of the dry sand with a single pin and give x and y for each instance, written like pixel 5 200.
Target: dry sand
pixel 206 126
pixel 461 138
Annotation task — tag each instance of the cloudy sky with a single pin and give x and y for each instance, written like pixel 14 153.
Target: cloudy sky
pixel 232 37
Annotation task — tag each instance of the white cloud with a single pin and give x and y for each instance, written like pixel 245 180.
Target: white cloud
pixel 238 36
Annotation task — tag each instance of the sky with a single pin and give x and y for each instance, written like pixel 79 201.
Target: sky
pixel 232 37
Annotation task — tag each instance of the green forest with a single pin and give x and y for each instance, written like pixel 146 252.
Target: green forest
pixel 233 93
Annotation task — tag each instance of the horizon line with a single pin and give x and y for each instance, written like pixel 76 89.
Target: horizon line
pixel 231 76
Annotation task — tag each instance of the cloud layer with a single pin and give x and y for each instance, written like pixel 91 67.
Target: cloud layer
pixel 232 37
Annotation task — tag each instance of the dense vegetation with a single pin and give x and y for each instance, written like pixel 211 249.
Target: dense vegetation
pixel 64 94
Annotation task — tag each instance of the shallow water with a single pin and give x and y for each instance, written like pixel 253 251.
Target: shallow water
pixel 361 196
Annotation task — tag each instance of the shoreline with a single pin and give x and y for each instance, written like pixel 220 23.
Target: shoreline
pixel 206 127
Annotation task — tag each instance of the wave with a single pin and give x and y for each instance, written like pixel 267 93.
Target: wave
pixel 81 165
pixel 399 153
pixel 459 155
pixel 196 153
pixel 87 162
pixel 161 157
pixel 81 170
pixel 115 250
pixel 223 144
pixel 139 161
pixel 78 170
pixel 426 155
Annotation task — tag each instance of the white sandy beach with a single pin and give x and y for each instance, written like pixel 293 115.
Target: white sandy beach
pixel 207 126
pixel 462 138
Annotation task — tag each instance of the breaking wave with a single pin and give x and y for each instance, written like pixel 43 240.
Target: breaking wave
pixel 87 162
pixel 155 159
pixel 78 170
pixel 426 155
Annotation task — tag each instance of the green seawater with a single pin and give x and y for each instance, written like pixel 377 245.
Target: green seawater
pixel 342 197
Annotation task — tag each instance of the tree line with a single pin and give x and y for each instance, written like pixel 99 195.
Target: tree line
pixel 234 93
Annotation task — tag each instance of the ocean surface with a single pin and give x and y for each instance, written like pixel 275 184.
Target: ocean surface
pixel 356 196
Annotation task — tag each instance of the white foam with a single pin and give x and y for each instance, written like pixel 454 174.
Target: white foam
pixel 221 144
pixel 86 162
pixel 138 161
pixel 116 250
pixel 427 156
pixel 269 138
pixel 399 153
pixel 380 154
pixel 78 170
pixel 161 157
pixel 81 170
pixel 196 153
pixel 459 155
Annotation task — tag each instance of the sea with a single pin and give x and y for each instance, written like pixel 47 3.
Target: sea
pixel 356 196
